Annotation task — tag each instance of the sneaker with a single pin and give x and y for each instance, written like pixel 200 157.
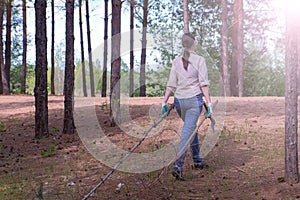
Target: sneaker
pixel 177 173
pixel 200 165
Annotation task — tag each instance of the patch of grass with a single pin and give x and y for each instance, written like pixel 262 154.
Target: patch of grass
pixel 49 153
pixel 39 194
pixel 1 148
pixel 10 191
pixel 2 127
pixel 55 130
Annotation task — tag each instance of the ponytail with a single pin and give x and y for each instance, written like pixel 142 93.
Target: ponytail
pixel 187 42
pixel 185 59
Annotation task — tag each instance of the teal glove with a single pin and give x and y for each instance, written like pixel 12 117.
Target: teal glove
pixel 164 109
pixel 208 112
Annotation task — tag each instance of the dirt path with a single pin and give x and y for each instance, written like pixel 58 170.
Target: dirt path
pixel 247 163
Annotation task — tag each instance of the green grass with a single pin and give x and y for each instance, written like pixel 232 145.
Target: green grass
pixel 10 191
pixel 55 130
pixel 39 194
pixel 48 153
pixel 1 148
pixel 2 127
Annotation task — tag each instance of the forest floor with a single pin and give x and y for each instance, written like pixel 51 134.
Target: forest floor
pixel 246 163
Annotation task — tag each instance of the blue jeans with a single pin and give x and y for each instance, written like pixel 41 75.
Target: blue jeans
pixel 189 110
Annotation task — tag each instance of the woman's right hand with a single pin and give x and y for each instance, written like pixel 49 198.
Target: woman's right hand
pixel 164 109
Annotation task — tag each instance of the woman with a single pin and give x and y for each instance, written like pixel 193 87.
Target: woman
pixel 189 80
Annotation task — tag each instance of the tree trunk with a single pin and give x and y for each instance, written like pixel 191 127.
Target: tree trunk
pixel 116 62
pixel 225 83
pixel 1 45
pixel 82 51
pixel 104 75
pixel 40 90
pixel 52 49
pixel 90 49
pixel 234 76
pixel 291 97
pixel 24 59
pixel 298 71
pixel 240 59
pixel 69 127
pixel 143 55
pixel 186 16
pixel 8 44
pixel 3 68
pixel 234 67
pixel 131 73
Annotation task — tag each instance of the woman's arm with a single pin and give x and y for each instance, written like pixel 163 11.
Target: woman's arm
pixel 205 91
pixel 168 92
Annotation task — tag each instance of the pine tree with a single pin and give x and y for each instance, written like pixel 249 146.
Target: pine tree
pixel 186 16
pixel 144 51
pixel 24 59
pixel 69 126
pixel 116 62
pixel 52 48
pixel 90 49
pixel 131 73
pixel 8 44
pixel 40 90
pixel 2 72
pixel 291 94
pixel 225 81
pixel 104 75
pixel 82 51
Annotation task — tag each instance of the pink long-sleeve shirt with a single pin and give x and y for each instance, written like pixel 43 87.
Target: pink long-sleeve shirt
pixel 187 83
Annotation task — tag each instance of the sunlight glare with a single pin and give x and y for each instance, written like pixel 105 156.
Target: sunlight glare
pixel 290 7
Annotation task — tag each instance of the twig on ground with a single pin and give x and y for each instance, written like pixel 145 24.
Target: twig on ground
pixel 158 178
pixel 241 170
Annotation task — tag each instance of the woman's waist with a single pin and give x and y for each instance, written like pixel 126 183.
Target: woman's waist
pixel 185 93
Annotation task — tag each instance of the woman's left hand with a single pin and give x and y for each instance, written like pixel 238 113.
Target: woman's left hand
pixel 208 112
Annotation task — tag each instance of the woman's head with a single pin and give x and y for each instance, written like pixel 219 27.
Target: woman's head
pixel 188 40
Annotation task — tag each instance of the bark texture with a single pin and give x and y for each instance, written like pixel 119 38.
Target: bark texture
pixel 144 51
pixel 186 16
pixel 8 44
pixel 236 79
pixel 104 75
pixel 116 63
pixel 69 126
pixel 291 97
pixel 40 90
pixel 52 48
pixel 92 82
pixel 82 51
pixel 24 58
pixel 2 73
pixel 131 73
pixel 225 82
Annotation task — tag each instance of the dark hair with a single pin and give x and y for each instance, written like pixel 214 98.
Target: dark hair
pixel 187 42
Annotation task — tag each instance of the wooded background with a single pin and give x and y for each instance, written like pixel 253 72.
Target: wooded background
pixel 248 48
pixel 252 38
